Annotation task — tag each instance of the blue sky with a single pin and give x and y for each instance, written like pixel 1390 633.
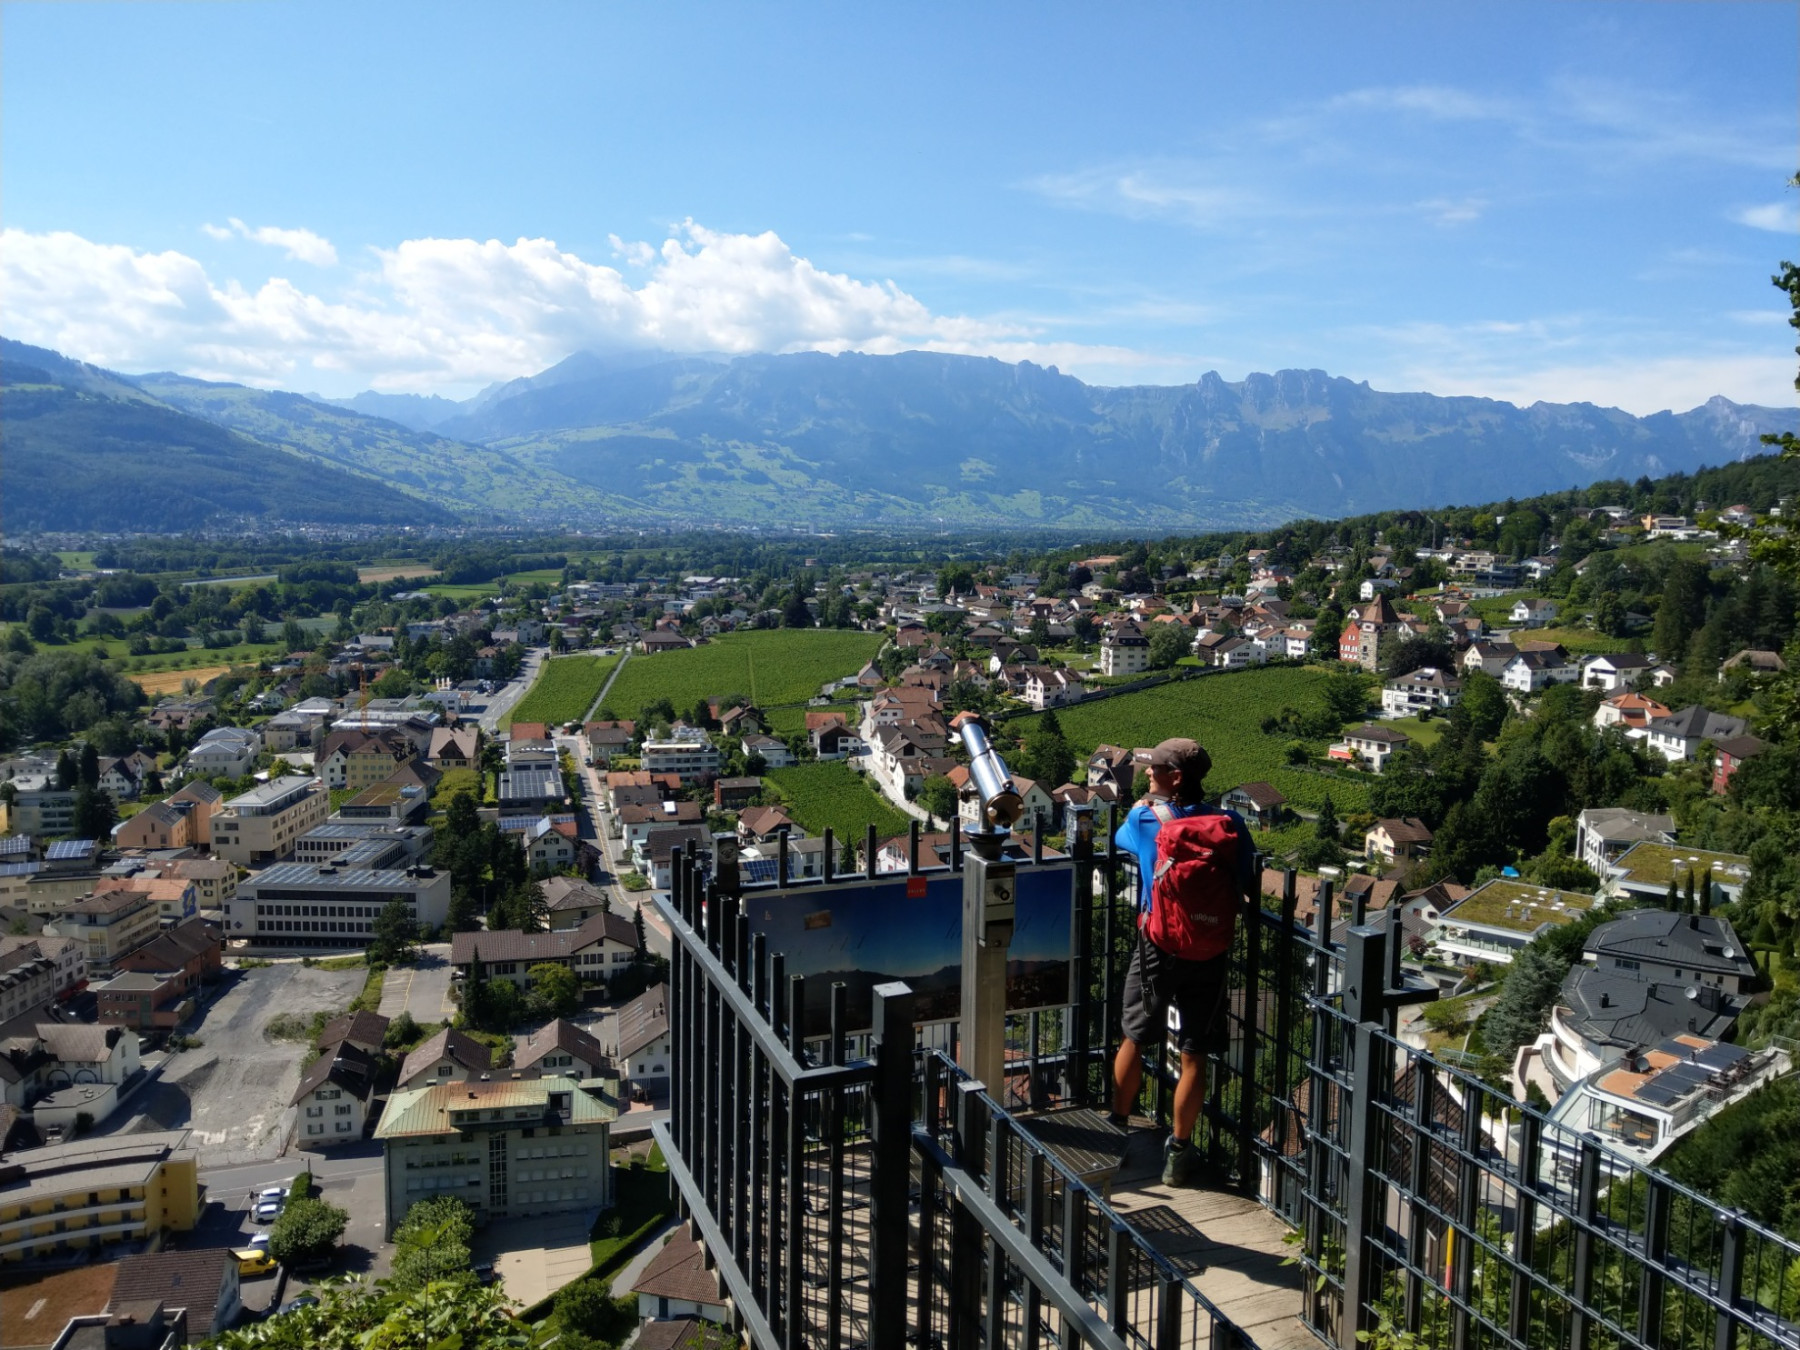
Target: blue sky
pixel 1564 201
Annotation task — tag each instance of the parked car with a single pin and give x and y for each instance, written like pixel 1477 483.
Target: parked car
pixel 486 1272
pixel 273 1193
pixel 258 1240
pixel 267 1211
pixel 253 1261
pixel 296 1304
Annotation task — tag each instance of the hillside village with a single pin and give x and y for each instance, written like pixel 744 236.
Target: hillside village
pixel 1549 744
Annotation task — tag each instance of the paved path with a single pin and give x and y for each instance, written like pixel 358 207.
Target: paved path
pixel 422 989
pixel 634 1268
pixel 600 698
pixel 510 693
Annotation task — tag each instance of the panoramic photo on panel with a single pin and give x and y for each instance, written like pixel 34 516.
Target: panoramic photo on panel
pixel 899 677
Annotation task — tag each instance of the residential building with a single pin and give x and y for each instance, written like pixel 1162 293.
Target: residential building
pixel 774 753
pixel 1495 921
pixel 636 821
pixel 360 758
pixel 331 1104
pixel 602 947
pixel 1124 651
pixel 1395 841
pixel 326 905
pixel 1679 735
pixel 561 1049
pixel 27 981
pixel 690 761
pixel 1629 710
pixel 1641 1105
pixel 362 843
pixel 572 901
pixel 640 1047
pixel 92 1193
pixel 454 748
pixel 733 794
pixel 1488 657
pixel 1370 745
pixel 1603 833
pixel 1425 690
pixel 1614 671
pixel 1644 872
pixel 1751 662
pixel 67 955
pixel 260 826
pixel 1729 755
pixel 530 790
pixel 202 1282
pixel 450 1056
pixel 1376 623
pixel 508 1149
pixel 1532 671
pixel 1258 803
pixel 223 752
pixel 1601 1017
pixel 1659 944
pixel 41 811
pixel 108 926
pixel 1534 612
pixel 679 1282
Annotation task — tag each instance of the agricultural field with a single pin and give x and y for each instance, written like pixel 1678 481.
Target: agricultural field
pixel 770 668
pixel 1579 641
pixel 480 590
pixel 172 681
pixel 1224 712
pixel 829 795
pixel 565 689
pixel 373 573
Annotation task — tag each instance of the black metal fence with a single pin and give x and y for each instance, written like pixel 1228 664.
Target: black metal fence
pixel 867 1193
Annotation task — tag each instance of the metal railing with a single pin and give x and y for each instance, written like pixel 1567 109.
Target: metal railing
pixel 1429 1209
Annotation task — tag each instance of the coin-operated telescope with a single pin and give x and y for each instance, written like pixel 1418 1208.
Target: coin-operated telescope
pixel 989 906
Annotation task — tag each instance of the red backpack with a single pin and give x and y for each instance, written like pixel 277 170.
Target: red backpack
pixel 1194 898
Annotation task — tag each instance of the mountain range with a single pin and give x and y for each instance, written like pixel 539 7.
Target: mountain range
pixel 918 439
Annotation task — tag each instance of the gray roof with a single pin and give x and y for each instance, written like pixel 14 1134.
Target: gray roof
pixel 1696 942
pixel 1620 824
pixel 1615 1008
pixel 325 876
pixel 1694 723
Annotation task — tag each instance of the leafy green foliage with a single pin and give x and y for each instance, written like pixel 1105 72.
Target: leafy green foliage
pixel 306 1231
pixel 555 992
pixel 394 936
pixel 442 1315
pixel 1747 1156
pixel 432 1243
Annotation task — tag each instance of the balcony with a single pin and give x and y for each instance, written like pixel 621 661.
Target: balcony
pixel 859 1190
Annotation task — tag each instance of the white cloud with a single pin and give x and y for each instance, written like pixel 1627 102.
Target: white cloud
pixel 300 245
pixel 433 313
pixel 1781 217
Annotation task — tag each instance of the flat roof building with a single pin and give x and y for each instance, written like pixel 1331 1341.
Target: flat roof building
pixel 329 905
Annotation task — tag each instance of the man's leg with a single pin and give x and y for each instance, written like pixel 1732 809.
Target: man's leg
pixel 1190 1095
pixel 1128 1077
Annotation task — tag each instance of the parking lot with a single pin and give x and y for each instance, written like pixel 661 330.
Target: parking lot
pixel 233 1091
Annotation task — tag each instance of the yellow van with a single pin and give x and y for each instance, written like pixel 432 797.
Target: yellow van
pixel 253 1261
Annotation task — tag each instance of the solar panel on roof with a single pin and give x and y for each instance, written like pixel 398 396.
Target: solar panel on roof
pixel 1659 1093
pixel 70 848
pixel 19 869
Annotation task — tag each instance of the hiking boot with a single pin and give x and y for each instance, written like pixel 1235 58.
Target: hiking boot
pixel 1181 1161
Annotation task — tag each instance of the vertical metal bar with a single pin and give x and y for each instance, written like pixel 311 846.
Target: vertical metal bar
pixel 999 1157
pixel 797 1017
pixel 1424 1090
pixel 1731 1282
pixel 1655 1257
pixel 1037 836
pixel 1168 1310
pixel 1364 1216
pixel 1531 1138
pixel 795 1294
pixel 1036 1172
pixel 965 1234
pixel 1468 1209
pixel 747 1121
pixel 1081 1013
pixel 930 1183
pixel 956 843
pixel 1118 1276
pixel 1250 1027
pixel 1286 995
pixel 1396 954
pixel 1074 1248
pixel 830 859
pixel 891 1142
pixel 1587 1195
pixel 1034 1027
pixel 781 859
pixel 912 848
pixel 833 1126
pixel 869 855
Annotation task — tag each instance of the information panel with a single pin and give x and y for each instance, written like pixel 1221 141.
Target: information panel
pixel 909 928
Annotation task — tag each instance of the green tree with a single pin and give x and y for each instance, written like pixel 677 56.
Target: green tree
pixel 306 1231
pixel 1169 642
pixel 1483 704
pixel 588 1308
pixel 395 934
pixel 95 813
pixel 432 1243
pixel 356 1316
pixel 1326 826
pixel 401 1033
pixel 1346 695
pixel 89 769
pixel 555 992
pixel 68 772
pixel 938 796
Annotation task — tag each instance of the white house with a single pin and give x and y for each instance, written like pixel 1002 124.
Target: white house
pixel 224 752
pixel 1370 744
pixel 640 1038
pixel 1679 735
pixel 1529 672
pixel 1046 688
pixel 1419 690
pixel 1614 671
pixel 1534 612
pixel 1124 651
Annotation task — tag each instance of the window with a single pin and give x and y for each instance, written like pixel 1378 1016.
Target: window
pixel 344 1110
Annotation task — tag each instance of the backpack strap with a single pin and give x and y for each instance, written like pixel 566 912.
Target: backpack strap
pixel 1163 812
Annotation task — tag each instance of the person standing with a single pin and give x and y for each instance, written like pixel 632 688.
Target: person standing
pixel 1196 868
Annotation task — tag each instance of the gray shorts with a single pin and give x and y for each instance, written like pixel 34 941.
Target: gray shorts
pixel 1197 989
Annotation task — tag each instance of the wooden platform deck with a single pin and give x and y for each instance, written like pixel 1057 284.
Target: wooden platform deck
pixel 1227 1245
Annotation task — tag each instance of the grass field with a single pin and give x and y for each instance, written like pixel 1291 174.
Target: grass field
pixel 781 665
pixel 476 590
pixel 1223 712
pixel 564 690
pixel 1580 641
pixel 831 796
pixel 393 572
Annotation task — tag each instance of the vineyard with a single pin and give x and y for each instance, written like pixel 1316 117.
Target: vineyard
pixel 776 666
pixel 1224 712
pixel 565 689
pixel 829 795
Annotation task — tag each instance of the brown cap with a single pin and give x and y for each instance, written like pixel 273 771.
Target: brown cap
pixel 1178 752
